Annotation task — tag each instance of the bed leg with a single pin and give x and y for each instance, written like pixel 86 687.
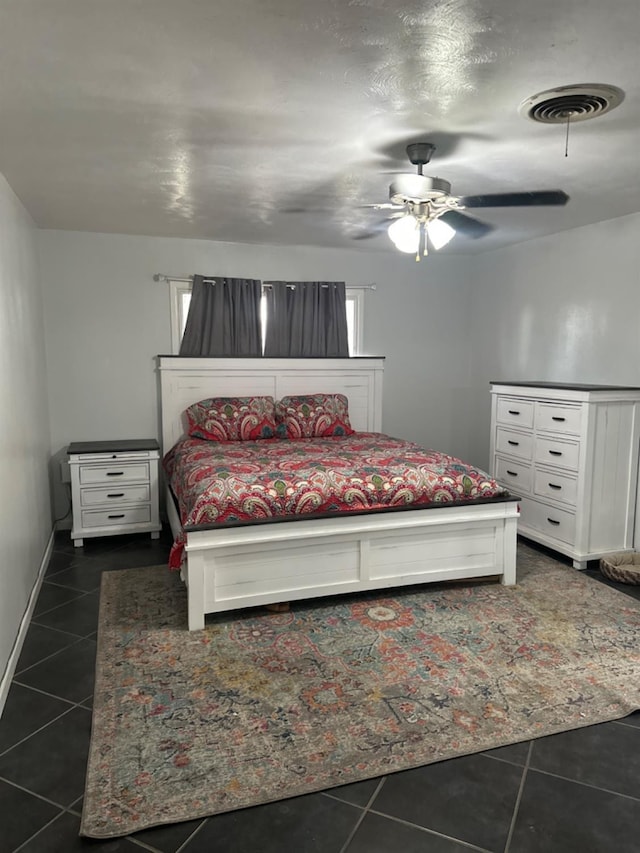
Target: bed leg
pixel 509 552
pixel 195 591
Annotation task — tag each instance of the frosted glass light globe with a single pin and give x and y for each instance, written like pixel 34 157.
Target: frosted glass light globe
pixel 405 234
pixel 439 233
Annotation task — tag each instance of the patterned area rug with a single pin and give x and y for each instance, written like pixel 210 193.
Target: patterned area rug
pixel 261 706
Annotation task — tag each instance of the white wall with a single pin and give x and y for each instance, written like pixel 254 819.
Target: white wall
pixel 106 320
pixel 25 520
pixel 564 308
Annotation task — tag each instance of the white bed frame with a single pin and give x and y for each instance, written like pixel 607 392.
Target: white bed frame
pixel 246 566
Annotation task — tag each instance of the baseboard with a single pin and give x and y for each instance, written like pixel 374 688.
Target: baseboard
pixel 5 682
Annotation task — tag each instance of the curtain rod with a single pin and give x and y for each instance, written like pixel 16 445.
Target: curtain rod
pixel 189 278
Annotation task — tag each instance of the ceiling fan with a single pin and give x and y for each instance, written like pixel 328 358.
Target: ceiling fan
pixel 424 212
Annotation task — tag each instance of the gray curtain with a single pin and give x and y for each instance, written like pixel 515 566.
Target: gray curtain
pixel 223 318
pixel 306 319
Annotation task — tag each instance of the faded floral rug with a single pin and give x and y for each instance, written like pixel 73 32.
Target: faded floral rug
pixel 261 706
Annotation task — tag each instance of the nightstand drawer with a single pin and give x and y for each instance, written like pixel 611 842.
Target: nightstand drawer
pixel 115 495
pixel 114 473
pixel 117 516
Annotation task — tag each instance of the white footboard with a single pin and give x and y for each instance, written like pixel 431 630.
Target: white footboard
pixel 247 566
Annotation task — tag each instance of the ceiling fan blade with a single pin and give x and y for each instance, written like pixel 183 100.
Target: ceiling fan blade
pixel 523 199
pixel 385 205
pixel 373 230
pixel 365 235
pixel 466 225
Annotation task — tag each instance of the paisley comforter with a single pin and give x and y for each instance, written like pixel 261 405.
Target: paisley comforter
pixel 237 482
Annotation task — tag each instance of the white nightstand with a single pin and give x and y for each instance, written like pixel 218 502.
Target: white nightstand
pixel 114 488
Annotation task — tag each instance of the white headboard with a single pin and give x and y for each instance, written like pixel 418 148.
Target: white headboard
pixel 184 381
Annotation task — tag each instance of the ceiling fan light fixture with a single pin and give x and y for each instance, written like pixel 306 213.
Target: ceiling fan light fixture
pixel 418 188
pixel 405 234
pixel 440 233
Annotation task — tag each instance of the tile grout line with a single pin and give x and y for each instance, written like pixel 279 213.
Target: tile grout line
pixel 368 809
pixel 516 807
pixel 74 702
pixel 42 829
pixel 187 841
pixel 71 704
pixel 502 760
pixel 33 794
pixel 79 636
pixel 622 721
pixel 590 785
pixel 141 844
pixel 36 731
pixel 49 628
pixel 80 594
pixel 36 834
pixel 432 832
pixel 76 639
pixel 363 814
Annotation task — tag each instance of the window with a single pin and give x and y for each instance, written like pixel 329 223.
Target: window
pixel 180 296
pixel 355 305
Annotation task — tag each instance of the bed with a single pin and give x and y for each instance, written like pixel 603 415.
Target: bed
pixel 232 565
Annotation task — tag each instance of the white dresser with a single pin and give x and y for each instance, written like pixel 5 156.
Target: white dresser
pixel 114 488
pixel 571 453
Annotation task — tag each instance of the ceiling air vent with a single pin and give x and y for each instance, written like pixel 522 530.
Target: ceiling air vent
pixel 577 103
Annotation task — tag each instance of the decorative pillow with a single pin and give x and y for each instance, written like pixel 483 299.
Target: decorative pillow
pixel 232 418
pixel 314 415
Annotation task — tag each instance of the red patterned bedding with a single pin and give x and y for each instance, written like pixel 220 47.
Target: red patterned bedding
pixel 235 482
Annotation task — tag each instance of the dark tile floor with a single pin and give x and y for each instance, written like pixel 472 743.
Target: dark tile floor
pixel 577 792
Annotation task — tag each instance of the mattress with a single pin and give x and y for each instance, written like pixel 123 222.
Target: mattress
pixel 247 482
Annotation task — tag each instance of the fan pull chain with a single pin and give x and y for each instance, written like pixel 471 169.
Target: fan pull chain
pixel 422 241
pixel 566 144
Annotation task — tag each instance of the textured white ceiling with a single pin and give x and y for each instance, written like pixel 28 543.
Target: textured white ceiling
pixel 224 119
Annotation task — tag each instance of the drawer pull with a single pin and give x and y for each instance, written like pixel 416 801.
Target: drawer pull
pixel 554 486
pixel 115 473
pixel 121 494
pixel 514 412
pixel 513 443
pixel 555 452
pixel 120 515
pixel 553 521
pixel 557 418
pixel 512 473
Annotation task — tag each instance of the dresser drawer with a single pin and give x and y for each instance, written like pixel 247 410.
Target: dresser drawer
pixel 114 473
pixel 515 412
pixel 515 475
pixel 551 451
pixel 115 495
pixel 553 522
pixel 514 443
pixel 116 516
pixel 558 487
pixel 556 418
